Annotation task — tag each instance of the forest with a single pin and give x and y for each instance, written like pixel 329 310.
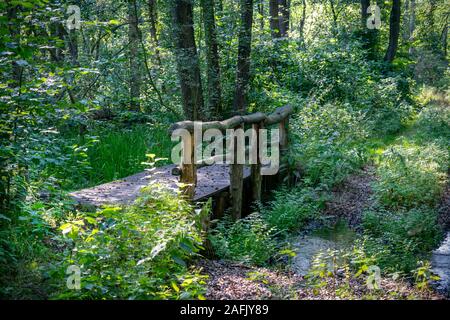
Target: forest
pixel 359 210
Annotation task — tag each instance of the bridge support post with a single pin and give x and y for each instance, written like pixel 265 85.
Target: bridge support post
pixel 256 178
pixel 283 127
pixel 188 168
pixel 236 182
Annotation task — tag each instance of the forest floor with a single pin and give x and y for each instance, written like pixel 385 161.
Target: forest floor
pixel 229 280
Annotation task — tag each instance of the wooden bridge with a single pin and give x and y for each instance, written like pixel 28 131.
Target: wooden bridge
pixel 201 181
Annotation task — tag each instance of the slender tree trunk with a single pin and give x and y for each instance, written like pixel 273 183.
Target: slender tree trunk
pixel 432 35
pixel 219 6
pixel 243 63
pixel 445 39
pixel 369 35
pixel 365 4
pixel 14 31
pixel 412 19
pixel 240 101
pixel 153 16
pixel 212 59
pixel 187 59
pixel 412 26
pixel 274 19
pixel 133 36
pixel 302 22
pixel 394 31
pixel 284 10
pixel 261 14
pixel 405 22
pixel 335 17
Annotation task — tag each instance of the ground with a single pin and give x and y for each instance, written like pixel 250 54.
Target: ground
pixel 230 281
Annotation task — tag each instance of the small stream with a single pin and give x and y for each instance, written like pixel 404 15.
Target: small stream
pixel 440 262
pixel 338 236
pixel 335 236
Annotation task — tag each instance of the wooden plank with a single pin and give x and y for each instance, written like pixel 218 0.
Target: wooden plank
pixel 211 180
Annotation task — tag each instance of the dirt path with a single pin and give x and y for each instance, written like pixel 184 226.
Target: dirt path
pixel 350 198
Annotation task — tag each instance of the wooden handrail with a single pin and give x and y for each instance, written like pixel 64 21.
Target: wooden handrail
pixel 231 123
pixel 258 120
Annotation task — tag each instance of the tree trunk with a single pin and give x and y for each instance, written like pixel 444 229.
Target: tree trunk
pixel 261 14
pixel 153 16
pixel 369 35
pixel 394 31
pixel 219 6
pixel 284 9
pixel 133 37
pixel 405 26
pixel 243 61
pixel 187 59
pixel 365 4
pixel 14 31
pixel 445 40
pixel 212 59
pixel 302 22
pixel 240 102
pixel 412 20
pixel 274 19
pixel 334 15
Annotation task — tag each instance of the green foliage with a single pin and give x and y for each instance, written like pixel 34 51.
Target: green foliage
pixel 140 252
pixel 292 209
pixel 64 125
pixel 29 250
pixel 249 240
pixel 120 153
pixel 433 122
pixel 423 276
pixel 356 273
pixel 400 238
pixel 327 142
pixel 410 175
pixel 386 104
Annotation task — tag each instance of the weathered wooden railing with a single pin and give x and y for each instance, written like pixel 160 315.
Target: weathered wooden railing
pixel 258 120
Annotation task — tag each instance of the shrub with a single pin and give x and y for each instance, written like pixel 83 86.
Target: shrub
pixel 433 122
pixel 401 238
pixel 292 209
pixel 140 252
pixel 410 175
pixel 329 142
pixel 248 240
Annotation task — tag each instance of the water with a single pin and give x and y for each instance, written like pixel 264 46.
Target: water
pixel 440 262
pixel 334 237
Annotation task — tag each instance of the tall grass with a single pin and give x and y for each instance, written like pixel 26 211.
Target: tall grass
pixel 120 153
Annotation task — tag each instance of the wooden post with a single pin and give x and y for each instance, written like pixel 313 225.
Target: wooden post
pixel 188 168
pixel 236 182
pixel 256 178
pixel 221 203
pixel 283 127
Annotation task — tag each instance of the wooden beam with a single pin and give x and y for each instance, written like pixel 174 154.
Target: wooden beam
pixel 278 115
